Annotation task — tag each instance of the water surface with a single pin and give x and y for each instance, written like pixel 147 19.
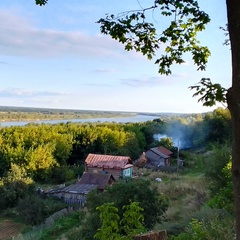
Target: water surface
pixel 134 119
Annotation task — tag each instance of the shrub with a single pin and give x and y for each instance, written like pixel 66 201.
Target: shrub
pixel 218 228
pixel 34 209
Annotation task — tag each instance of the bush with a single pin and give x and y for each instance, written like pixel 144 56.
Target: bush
pixel 15 186
pixel 12 193
pixel 65 173
pixel 218 228
pixel 220 179
pixel 35 209
pixel 62 225
pixel 31 209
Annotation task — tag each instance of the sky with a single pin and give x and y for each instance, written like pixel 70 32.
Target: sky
pixel 56 57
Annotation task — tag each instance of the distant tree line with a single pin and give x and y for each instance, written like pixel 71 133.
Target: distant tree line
pixel 35 114
pixel 199 130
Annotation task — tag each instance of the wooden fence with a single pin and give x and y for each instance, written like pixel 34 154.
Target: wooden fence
pixel 162 235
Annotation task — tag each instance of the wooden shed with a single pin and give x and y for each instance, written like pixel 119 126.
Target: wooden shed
pixel 159 156
pixel 73 194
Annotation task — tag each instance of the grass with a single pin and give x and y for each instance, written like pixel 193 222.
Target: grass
pixel 187 193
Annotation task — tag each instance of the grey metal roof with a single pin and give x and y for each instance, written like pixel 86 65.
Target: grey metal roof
pixel 99 179
pixel 79 188
pixel 152 155
pixel 156 150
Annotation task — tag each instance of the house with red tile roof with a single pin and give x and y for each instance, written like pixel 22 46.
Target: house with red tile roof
pixel 159 156
pixel 118 166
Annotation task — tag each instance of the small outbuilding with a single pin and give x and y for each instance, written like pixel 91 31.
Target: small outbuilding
pixel 159 156
pixel 73 194
pixel 99 179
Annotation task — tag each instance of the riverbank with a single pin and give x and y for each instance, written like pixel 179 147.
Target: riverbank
pixel 121 119
pixel 18 114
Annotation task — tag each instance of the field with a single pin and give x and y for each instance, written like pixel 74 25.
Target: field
pixel 9 229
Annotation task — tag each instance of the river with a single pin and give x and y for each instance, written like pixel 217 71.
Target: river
pixel 138 118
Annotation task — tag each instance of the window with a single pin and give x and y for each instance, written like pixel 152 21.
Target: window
pixel 127 172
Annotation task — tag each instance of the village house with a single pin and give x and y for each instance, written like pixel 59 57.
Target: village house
pixel 158 156
pixel 118 166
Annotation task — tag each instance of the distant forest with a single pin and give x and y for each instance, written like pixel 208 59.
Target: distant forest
pixel 29 114
pixel 8 114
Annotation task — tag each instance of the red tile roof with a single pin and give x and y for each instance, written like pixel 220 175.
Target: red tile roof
pixel 164 150
pixel 107 161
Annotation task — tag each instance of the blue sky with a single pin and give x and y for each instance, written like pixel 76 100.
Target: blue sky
pixel 56 57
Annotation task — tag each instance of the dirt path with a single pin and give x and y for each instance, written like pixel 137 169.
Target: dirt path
pixel 9 229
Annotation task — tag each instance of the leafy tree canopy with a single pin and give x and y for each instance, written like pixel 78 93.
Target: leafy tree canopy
pixel 136 32
pixel 115 228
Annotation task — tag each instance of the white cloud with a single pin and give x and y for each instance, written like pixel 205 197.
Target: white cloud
pixel 21 38
pixel 104 70
pixel 25 93
pixel 150 81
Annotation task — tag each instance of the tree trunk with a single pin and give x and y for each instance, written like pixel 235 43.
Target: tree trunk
pixel 233 99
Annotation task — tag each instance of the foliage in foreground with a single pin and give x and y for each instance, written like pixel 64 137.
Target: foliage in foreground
pixel 219 178
pixel 214 229
pixel 114 228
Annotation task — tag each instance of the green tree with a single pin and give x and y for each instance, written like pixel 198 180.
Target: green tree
pixel 223 199
pixel 219 159
pixel 132 221
pixel 15 186
pixel 217 126
pixel 166 142
pixel 219 179
pixel 114 228
pixel 109 222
